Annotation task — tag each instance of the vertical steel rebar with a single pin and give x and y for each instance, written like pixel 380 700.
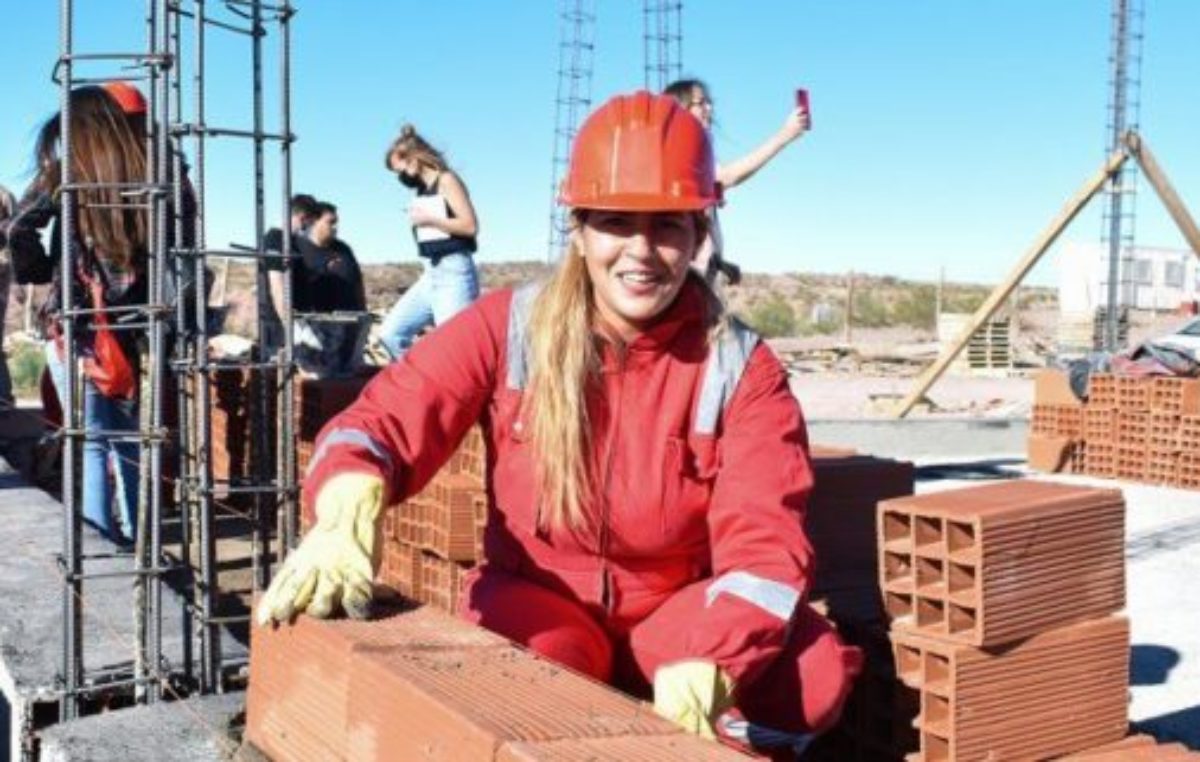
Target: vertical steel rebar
pixel 162 111
pixel 201 380
pixel 1119 223
pixel 577 19
pixel 266 381
pixel 184 357
pixel 72 420
pixel 287 439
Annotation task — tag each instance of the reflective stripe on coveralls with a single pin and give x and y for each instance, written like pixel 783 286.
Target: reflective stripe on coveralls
pixel 350 437
pixel 727 359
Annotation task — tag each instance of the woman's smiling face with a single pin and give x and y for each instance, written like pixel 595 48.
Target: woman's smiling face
pixel 637 262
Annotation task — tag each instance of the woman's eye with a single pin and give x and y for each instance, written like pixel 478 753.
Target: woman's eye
pixel 614 222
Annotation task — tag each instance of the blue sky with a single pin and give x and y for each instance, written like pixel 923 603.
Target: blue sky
pixel 947 132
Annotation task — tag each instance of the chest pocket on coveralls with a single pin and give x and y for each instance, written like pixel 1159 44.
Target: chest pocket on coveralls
pixel 514 466
pixel 689 470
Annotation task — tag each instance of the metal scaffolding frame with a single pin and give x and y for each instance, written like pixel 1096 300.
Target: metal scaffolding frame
pixel 177 273
pixel 576 50
pixel 662 38
pixel 1118 228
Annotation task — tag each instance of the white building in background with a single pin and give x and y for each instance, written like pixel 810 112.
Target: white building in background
pixel 1152 278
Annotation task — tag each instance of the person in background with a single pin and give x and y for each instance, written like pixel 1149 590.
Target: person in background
pixel 648 462
pixel 110 247
pixel 328 298
pixel 444 226
pixel 694 95
pixel 302 210
pixel 7 206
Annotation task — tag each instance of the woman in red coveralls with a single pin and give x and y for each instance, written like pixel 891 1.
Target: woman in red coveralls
pixel 647 462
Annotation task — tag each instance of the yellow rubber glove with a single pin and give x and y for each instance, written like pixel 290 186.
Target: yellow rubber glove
pixel 693 694
pixel 336 560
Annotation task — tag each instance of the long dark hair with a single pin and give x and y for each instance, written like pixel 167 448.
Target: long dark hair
pixel 105 148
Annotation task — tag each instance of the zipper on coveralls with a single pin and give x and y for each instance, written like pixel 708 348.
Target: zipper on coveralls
pixel 605 574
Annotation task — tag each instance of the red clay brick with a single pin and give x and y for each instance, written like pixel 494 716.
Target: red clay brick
pixel 1099 423
pixel 1055 693
pixel 1133 460
pixel 840 521
pixel 1178 396
pixel 1102 390
pixel 441 582
pixel 298 702
pixel 1052 454
pixel 987 565
pixel 1100 458
pixel 1133 393
pixel 467 704
pixel 1052 387
pixel 450 500
pixel 1189 433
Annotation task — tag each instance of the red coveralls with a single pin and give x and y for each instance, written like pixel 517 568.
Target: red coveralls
pixel 699 550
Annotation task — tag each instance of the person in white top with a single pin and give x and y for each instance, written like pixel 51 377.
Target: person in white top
pixel 694 95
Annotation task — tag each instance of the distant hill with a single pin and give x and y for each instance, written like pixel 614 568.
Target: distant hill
pixel 789 304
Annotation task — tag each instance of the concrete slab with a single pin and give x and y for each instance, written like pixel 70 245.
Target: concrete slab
pixel 922 438
pixel 1163 566
pixel 31 617
pixel 195 730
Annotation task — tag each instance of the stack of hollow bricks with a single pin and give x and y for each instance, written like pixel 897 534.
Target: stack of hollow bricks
pixel 1144 429
pixel 1003 602
pixel 236 400
pixel 434 537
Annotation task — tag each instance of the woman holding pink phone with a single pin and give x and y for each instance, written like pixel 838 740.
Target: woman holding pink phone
pixel 694 95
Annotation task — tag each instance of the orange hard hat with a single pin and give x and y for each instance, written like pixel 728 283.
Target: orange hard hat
pixel 128 97
pixel 641 153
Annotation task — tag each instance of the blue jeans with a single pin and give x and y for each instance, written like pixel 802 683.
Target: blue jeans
pixel 441 291
pixel 108 414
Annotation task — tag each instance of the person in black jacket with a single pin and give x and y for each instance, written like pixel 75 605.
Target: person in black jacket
pixel 329 299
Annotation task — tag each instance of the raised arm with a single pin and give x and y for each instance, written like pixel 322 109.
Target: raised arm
pixel 737 172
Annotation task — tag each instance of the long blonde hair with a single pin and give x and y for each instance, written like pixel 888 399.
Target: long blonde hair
pixel 564 372
pixel 410 143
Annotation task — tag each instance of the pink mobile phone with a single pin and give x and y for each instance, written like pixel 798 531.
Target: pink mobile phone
pixel 802 102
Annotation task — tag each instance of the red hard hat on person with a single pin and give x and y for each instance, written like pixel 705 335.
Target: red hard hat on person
pixel 641 153
pixel 128 97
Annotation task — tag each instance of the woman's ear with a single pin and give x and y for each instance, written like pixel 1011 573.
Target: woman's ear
pixel 575 240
